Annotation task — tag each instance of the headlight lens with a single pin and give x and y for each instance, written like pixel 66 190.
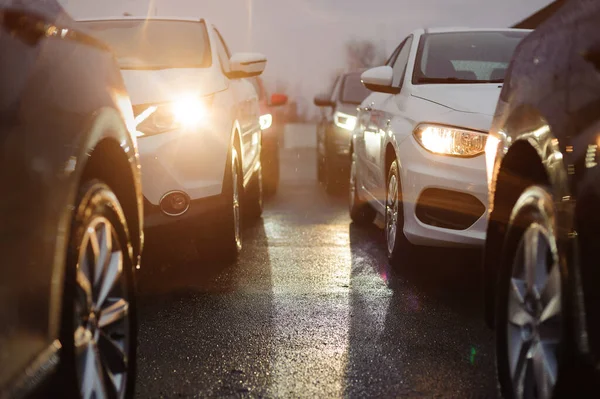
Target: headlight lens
pixel 450 140
pixel 187 112
pixel 266 121
pixel 344 121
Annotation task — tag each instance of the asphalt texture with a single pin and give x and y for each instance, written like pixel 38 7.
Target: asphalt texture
pixel 311 309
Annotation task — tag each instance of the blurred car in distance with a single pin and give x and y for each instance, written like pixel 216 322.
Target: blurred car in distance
pixel 541 270
pixel 198 122
pixel 72 209
pixel 417 151
pixel 272 133
pixel 334 131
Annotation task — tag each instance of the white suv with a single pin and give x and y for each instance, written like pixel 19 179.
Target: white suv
pixel 197 119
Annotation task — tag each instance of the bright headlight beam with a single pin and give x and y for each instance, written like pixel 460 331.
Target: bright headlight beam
pixel 189 111
pixel 450 141
pixel 265 121
pixel 344 120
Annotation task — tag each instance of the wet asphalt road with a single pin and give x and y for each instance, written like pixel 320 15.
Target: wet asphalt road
pixel 312 310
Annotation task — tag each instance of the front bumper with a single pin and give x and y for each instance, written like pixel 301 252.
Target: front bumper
pixel 443 191
pixel 206 209
pixel 189 161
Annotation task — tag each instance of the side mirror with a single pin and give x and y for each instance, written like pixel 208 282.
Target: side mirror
pixel 278 100
pixel 380 80
pixel 246 65
pixel 323 100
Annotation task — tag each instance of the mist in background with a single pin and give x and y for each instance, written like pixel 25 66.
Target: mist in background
pixel 306 41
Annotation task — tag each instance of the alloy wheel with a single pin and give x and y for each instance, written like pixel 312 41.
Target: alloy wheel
pixel 391 213
pixel 534 315
pixel 102 330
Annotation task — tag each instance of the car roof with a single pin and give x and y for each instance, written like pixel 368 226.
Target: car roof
pixel 134 18
pixel 465 29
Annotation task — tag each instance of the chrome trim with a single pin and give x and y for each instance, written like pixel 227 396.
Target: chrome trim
pixel 173 192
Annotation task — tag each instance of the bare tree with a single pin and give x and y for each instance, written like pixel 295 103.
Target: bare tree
pixel 362 54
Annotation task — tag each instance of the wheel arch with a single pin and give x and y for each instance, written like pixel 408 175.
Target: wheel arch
pixel 534 158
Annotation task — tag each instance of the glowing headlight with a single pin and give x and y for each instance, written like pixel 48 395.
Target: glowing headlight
pixel 344 121
pixel 266 121
pixel 188 112
pixel 450 141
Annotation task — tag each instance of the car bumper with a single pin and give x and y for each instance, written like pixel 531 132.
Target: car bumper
pixel 445 198
pixel 189 161
pixel 207 209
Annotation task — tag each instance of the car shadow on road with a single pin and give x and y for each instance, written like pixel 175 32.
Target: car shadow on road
pixel 190 314
pixel 420 323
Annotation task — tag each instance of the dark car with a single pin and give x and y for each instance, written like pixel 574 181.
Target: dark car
pixel 334 131
pixel 70 210
pixel 541 268
pixel 272 132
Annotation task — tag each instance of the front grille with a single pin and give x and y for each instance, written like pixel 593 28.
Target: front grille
pixel 448 209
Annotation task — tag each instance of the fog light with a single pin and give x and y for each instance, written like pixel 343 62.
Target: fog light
pixel 175 203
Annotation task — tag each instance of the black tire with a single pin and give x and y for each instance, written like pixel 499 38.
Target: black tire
pixel 361 212
pixel 271 175
pixel 533 214
pixel 98 208
pixel 332 175
pixel 398 247
pixel 320 169
pixel 227 238
pixel 255 193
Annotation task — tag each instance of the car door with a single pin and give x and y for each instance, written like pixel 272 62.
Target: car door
pixel 245 110
pixel 583 153
pixel 364 133
pixel 324 121
pixel 383 109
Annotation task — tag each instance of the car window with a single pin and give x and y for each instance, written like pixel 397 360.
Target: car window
pixel 222 51
pixel 353 91
pixel 392 58
pixel 401 61
pixel 143 44
pixel 335 94
pixel 465 57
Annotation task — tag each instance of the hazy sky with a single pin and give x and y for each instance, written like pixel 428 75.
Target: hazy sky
pixel 304 39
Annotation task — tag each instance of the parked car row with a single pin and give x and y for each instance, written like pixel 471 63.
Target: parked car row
pixel 112 128
pixel 457 146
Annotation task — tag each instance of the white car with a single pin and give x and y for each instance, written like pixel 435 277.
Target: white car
pixel 197 119
pixel 418 146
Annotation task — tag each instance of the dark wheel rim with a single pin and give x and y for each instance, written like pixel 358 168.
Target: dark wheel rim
pixel 534 315
pixel 236 204
pixel 102 330
pixel 391 213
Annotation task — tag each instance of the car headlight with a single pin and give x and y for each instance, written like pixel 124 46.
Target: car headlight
pixel 452 141
pixel 344 121
pixel 266 121
pixel 186 113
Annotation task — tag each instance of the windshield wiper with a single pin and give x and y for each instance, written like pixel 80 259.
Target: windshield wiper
pixel 426 79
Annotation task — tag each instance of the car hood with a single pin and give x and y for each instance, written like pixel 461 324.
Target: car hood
pixel 475 98
pixel 164 85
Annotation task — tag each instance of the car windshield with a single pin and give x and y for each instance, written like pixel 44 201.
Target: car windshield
pixel 154 44
pixel 465 57
pixel 354 92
